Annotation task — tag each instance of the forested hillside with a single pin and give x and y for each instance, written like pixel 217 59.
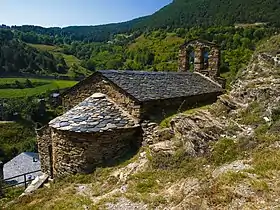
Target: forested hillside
pixel 156 50
pixel 18 57
pixel 178 14
pixel 189 13
pixel 146 43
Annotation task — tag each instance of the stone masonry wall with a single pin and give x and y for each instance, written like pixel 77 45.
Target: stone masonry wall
pixel 44 143
pixel 1 178
pixel 81 152
pixel 212 70
pixel 99 84
pixel 160 109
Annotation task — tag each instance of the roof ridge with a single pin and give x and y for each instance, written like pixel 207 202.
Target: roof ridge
pixel 144 72
pixel 209 79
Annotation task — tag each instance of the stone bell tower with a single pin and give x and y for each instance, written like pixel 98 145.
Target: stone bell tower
pixel 205 58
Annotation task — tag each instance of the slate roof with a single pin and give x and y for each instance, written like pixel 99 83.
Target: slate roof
pixel 146 86
pixel 23 163
pixel 95 114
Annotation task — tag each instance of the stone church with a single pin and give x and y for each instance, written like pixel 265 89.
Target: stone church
pixel 104 112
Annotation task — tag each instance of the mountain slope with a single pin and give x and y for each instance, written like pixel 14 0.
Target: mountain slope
pixel 188 13
pixel 18 57
pixel 178 14
pixel 224 156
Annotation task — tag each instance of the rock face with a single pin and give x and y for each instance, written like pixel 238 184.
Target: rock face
pixel 197 131
pixel 235 166
pixel 124 203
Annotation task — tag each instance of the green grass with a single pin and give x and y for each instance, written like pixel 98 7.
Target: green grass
pixel 272 45
pixel 49 48
pixel 224 151
pixel 252 115
pixel 21 80
pixel 16 138
pixel 10 194
pixel 70 60
pixel 166 122
pixel 265 161
pixel 51 86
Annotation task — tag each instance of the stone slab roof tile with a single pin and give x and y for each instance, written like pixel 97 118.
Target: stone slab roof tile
pixel 95 114
pixel 146 86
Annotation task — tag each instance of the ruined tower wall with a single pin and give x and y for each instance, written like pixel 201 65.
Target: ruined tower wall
pixel 212 69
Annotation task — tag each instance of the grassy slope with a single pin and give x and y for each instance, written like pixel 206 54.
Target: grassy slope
pixel 69 59
pixel 165 49
pixel 51 86
pixel 50 48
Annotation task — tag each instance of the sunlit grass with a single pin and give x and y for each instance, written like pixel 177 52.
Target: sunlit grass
pixel 50 86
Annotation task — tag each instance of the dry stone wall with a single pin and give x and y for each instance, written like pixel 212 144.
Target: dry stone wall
pixel 44 143
pixel 81 152
pixel 211 69
pixel 1 178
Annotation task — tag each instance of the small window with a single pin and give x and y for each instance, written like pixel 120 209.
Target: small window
pixel 191 55
pixel 205 54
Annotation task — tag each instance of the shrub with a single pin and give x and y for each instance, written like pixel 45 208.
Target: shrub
pixel 224 151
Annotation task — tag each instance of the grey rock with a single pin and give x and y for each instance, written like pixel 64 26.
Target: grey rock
pixel 64 124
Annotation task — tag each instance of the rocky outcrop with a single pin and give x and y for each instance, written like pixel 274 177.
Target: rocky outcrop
pixel 236 166
pixel 139 165
pixel 197 131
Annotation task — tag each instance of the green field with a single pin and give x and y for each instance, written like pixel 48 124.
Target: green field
pixel 49 48
pixel 51 85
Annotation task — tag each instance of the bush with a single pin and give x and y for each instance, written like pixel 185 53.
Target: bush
pixel 28 84
pixel 224 151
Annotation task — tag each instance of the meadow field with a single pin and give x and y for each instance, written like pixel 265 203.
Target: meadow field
pixel 70 60
pixel 48 85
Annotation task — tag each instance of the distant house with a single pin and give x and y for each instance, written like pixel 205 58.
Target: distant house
pixel 23 163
